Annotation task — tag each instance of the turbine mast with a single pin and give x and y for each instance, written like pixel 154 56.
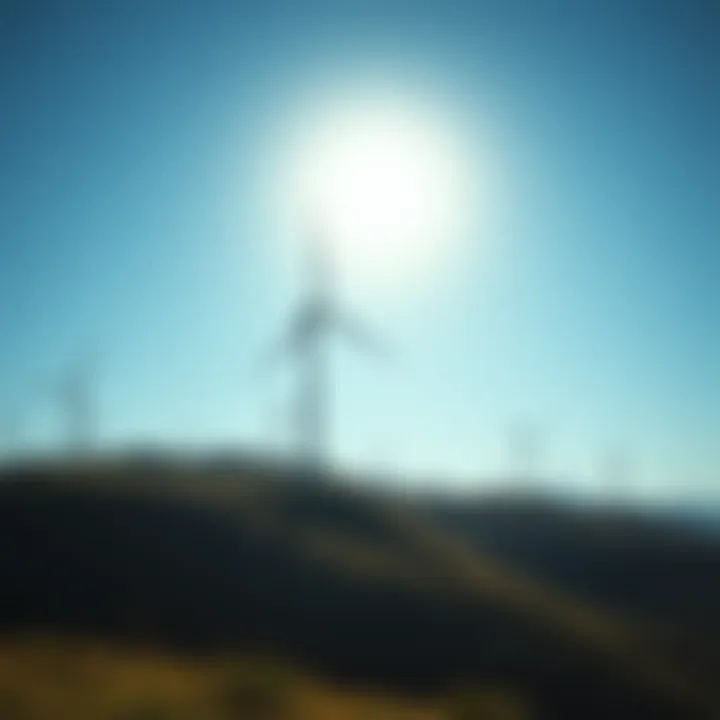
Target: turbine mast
pixel 314 390
pixel 312 401
pixel 77 392
pixel 524 445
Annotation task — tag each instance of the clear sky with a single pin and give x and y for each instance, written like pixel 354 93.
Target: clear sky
pixel 140 146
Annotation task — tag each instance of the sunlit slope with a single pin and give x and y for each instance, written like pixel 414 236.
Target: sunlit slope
pixel 55 678
pixel 353 586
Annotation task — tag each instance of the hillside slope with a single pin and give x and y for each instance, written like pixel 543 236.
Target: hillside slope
pixel 644 567
pixel 352 587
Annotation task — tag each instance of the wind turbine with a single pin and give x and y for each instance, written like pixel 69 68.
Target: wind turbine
pixel 318 316
pixel 11 429
pixel 524 443
pixel 76 395
pixel 615 475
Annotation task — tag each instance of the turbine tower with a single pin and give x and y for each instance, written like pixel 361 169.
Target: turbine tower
pixel 524 444
pixel 76 396
pixel 315 319
pixel 615 475
pixel 11 429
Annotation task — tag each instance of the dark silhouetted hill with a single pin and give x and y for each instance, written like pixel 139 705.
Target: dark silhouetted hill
pixel 349 584
pixel 648 567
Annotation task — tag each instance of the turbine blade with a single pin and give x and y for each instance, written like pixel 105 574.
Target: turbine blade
pixel 300 328
pixel 270 357
pixel 362 335
pixel 319 265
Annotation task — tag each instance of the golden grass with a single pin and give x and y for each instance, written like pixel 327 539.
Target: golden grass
pixel 45 678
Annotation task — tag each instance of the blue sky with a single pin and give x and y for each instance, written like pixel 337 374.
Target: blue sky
pixel 139 143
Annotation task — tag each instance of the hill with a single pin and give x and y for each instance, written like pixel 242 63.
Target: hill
pixel 54 678
pixel 350 585
pixel 646 567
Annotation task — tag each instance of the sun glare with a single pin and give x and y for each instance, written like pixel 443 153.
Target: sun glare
pixel 388 190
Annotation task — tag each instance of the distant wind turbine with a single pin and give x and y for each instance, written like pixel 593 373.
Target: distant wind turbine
pixel 318 316
pixel 76 393
pixel 524 443
pixel 615 475
pixel 11 429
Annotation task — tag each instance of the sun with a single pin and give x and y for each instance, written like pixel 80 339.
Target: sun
pixel 387 187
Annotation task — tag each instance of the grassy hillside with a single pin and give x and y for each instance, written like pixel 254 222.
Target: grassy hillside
pixel 43 678
pixel 643 567
pixel 347 586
